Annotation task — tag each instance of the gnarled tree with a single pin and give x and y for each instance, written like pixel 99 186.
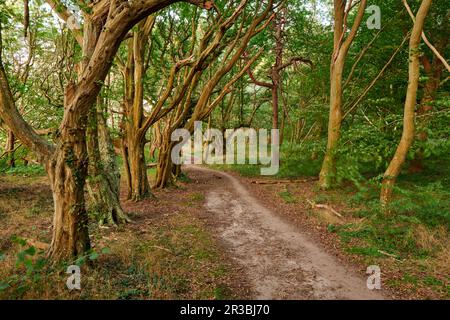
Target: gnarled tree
pixel 66 160
pixel 197 109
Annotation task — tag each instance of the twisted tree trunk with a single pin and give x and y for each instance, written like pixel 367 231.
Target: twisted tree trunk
pixel 66 162
pixel 134 140
pixel 67 171
pixel 135 168
pixel 103 181
pixel 164 172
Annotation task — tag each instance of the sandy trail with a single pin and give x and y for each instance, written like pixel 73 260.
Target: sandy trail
pixel 280 261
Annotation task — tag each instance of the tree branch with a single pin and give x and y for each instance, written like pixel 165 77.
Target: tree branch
pixel 425 39
pixel 12 117
pixel 295 60
pixel 64 14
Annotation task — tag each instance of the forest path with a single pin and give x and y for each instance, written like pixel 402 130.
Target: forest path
pixel 279 260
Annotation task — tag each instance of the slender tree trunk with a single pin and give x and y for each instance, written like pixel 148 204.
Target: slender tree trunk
pixel 9 149
pixel 282 127
pixel 164 177
pixel 275 105
pixel 134 138
pixel 276 69
pixel 328 172
pixel 156 140
pixel 393 170
pixel 140 187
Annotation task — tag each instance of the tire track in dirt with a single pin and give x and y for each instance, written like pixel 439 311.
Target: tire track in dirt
pixel 280 261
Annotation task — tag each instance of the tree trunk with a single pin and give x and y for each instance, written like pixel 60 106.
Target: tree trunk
pixel 164 172
pixel 103 180
pixel 328 172
pixel 140 187
pixel 135 164
pixel 275 101
pixel 156 140
pixel 134 136
pixel 10 145
pixel 67 171
pixel 393 170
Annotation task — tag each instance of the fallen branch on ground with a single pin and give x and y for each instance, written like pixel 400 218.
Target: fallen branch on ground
pixel 162 248
pixel 388 254
pixel 324 206
pixel 37 244
pixel 277 181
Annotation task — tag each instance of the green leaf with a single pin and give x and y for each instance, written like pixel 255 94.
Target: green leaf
pixel 18 240
pixel 80 261
pixel 93 256
pixel 30 251
pixel 4 285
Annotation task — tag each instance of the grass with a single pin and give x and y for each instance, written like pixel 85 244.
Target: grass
pixel 287 196
pixel 415 229
pixel 160 256
pixel 293 164
pixel 415 232
pixel 32 170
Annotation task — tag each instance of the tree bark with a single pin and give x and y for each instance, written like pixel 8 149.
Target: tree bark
pixel 393 170
pixel 103 181
pixel 9 149
pixel 133 135
pixel 136 169
pixel 327 174
pixel 164 177
pixel 67 171
pixel 156 140
pixel 66 163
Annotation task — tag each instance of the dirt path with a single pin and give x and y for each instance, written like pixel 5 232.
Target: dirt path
pixel 280 261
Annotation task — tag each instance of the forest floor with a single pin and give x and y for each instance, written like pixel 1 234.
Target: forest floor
pixel 166 252
pixel 215 236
